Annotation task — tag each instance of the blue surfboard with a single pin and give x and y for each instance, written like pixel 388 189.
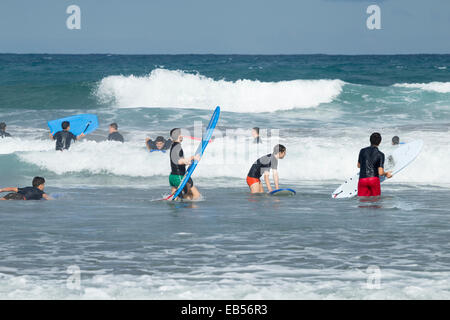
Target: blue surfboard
pixel 81 123
pixel 200 150
pixel 283 192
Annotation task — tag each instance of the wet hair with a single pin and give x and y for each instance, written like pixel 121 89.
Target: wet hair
pixel 2 126
pixel 114 126
pixel 160 139
pixel 375 139
pixel 37 181
pixel 395 140
pixel 65 125
pixel 256 129
pixel 175 133
pixel 279 148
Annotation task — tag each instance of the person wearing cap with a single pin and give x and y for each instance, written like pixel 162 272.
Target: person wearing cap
pixel 160 144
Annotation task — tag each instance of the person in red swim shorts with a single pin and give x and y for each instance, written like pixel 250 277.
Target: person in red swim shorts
pixel 263 166
pixel 371 164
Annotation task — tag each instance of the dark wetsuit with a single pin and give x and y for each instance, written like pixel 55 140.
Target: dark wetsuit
pixel 370 159
pixel 152 145
pixel 115 136
pixel 64 139
pixel 263 164
pixel 177 170
pixel 4 134
pixel 27 193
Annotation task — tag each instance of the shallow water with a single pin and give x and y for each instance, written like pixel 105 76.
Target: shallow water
pixel 107 221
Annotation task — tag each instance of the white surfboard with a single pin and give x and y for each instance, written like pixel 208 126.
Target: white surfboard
pixel 400 158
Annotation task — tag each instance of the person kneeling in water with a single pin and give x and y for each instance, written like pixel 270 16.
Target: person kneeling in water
pixel 178 165
pixel 36 192
pixel 263 166
pixel 160 144
pixel 371 164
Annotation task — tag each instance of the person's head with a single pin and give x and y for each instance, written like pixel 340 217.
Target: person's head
pixel 113 127
pixel 39 182
pixel 65 125
pixel 280 151
pixel 175 134
pixel 395 140
pixel 375 139
pixel 159 142
pixel 2 126
pixel 255 132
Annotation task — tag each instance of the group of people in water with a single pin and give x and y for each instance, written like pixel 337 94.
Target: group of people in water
pixel 370 162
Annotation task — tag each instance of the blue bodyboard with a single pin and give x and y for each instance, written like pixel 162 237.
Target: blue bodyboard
pixel 200 150
pixel 283 192
pixel 81 123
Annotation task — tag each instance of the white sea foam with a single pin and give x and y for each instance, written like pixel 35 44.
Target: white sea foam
pixel 252 282
pixel 166 88
pixel 441 87
pixel 308 158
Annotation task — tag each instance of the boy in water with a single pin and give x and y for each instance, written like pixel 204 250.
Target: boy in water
pixel 114 134
pixel 36 192
pixel 262 166
pixel 178 165
pixel 160 144
pixel 371 164
pixel 3 133
pixel 64 138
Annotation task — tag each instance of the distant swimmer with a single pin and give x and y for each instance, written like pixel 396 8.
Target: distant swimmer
pixel 64 138
pixel 178 165
pixel 262 166
pixel 371 164
pixel 3 133
pixel 160 144
pixel 396 141
pixel 255 135
pixel 36 192
pixel 114 134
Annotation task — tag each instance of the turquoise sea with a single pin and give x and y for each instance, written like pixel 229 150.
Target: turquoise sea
pixel 108 227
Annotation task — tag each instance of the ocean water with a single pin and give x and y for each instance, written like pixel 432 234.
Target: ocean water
pixel 108 228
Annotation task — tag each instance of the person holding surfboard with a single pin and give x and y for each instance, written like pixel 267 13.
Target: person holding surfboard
pixel 64 138
pixel 371 164
pixel 178 165
pixel 262 166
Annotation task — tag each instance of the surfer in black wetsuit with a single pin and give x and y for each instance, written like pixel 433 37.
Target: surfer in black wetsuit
pixel 262 166
pixel 255 135
pixel 371 164
pixel 178 165
pixel 3 133
pixel 160 144
pixel 36 192
pixel 114 134
pixel 64 138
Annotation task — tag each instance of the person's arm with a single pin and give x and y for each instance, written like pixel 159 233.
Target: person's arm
pixel 267 181
pixel 359 165
pixel 51 136
pixel 80 136
pixel 12 189
pixel 381 172
pixel 147 143
pixel 46 197
pixel 276 179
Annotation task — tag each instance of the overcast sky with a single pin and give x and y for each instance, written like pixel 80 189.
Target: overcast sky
pixel 227 26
